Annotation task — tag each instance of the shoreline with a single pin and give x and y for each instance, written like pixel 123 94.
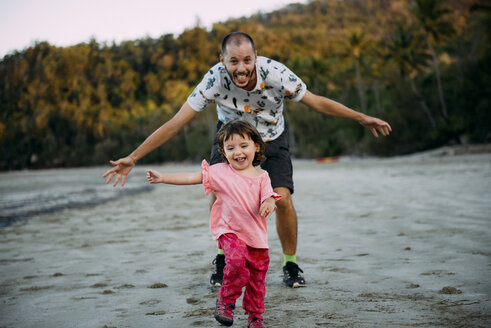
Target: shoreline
pixel 448 150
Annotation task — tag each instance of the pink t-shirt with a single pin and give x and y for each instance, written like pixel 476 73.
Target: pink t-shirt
pixel 239 198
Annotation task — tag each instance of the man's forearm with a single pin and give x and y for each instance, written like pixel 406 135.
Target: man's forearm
pixel 156 139
pixel 165 132
pixel 330 107
pixel 333 108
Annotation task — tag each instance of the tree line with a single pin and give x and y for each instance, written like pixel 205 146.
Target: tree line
pixel 422 65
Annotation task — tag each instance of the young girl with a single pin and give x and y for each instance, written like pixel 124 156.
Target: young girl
pixel 245 199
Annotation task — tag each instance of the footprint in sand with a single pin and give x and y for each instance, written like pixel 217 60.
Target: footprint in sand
pixel 150 302
pixel 156 313
pixel 449 290
pixel 158 285
pixel 193 301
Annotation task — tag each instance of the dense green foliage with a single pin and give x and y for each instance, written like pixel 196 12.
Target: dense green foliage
pixel 422 65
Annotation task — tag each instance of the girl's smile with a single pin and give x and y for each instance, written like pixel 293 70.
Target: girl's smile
pixel 240 151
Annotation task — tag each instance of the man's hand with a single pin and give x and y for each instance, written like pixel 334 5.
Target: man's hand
pixel 375 124
pixel 122 168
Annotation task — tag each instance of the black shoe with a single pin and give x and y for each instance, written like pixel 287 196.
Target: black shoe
pixel 216 278
pixel 291 277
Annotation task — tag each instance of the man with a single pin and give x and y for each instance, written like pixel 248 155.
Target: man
pixel 252 88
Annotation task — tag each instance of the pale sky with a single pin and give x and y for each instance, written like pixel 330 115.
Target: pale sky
pixel 68 22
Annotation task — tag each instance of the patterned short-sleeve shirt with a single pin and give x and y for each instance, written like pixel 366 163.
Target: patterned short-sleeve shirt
pixel 262 107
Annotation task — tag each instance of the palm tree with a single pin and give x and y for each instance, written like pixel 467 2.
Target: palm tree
pixel 481 26
pixel 430 14
pixel 356 42
pixel 353 49
pixel 405 49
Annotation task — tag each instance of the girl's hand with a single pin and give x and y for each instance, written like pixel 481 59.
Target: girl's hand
pixel 153 176
pixel 122 168
pixel 267 207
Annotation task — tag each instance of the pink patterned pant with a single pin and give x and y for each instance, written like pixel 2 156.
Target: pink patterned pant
pixel 244 267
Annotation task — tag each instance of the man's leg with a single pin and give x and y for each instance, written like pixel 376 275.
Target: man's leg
pixel 286 226
pixel 216 278
pixel 280 169
pixel 286 221
pixel 219 261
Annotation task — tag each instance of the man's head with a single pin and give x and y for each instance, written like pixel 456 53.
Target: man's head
pixel 236 39
pixel 239 58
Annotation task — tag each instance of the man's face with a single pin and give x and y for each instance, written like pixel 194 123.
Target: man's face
pixel 240 63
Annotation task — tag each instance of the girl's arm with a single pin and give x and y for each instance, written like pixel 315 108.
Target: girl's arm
pixel 175 178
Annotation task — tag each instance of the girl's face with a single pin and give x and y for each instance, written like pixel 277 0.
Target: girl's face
pixel 240 151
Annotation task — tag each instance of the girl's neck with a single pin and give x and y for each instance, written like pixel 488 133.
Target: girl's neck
pixel 249 171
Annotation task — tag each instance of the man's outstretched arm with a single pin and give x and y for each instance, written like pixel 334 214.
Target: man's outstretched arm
pixel 327 106
pixel 123 166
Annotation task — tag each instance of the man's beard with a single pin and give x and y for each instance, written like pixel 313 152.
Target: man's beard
pixel 250 75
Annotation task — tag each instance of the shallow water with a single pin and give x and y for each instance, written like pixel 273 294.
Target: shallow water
pixel 27 193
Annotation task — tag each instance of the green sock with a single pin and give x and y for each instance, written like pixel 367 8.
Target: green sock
pixel 289 258
pixel 220 251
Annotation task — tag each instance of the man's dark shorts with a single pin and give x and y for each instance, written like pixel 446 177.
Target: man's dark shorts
pixel 278 163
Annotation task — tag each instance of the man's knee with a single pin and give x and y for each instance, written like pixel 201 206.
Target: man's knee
pixel 286 198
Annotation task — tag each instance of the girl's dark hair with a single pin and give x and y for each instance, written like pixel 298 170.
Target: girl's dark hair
pixel 244 129
pixel 236 38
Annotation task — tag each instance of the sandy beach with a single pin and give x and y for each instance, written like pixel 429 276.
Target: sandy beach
pixel 399 242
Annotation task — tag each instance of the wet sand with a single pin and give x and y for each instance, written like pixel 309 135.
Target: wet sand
pixel 400 242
